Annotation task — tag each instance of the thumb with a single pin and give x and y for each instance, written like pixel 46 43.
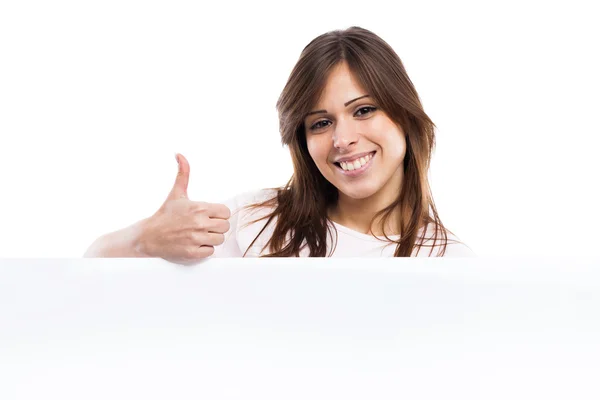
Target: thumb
pixel 183 177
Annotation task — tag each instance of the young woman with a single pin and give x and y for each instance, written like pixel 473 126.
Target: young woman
pixel 361 145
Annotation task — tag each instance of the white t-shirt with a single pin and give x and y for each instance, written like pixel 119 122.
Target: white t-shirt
pixel 350 243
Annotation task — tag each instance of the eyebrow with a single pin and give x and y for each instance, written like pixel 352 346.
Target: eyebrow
pixel 346 104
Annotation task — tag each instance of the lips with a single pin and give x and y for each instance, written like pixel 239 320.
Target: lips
pixel 352 160
pixel 357 171
pixel 354 157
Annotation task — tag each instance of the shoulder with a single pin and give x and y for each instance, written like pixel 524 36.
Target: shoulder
pixel 241 201
pixel 454 246
pixel 246 210
pixel 457 248
pixel 247 223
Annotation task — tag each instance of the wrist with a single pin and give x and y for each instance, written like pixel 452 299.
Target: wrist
pixel 137 239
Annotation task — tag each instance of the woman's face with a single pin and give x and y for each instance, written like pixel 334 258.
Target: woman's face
pixel 354 144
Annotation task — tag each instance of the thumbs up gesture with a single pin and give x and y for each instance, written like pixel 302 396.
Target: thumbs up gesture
pixel 183 230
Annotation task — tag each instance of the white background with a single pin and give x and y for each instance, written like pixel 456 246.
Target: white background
pixel 96 97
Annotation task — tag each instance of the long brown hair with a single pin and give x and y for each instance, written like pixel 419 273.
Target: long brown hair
pixel 300 208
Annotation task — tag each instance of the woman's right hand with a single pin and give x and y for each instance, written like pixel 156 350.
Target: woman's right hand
pixel 181 231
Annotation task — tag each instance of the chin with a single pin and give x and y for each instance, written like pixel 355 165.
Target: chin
pixel 357 193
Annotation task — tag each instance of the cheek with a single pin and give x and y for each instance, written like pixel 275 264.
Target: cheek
pixel 310 144
pixel 393 143
pixel 399 146
pixel 401 143
pixel 317 148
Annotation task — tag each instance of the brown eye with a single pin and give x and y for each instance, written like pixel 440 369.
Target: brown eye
pixel 361 112
pixel 320 125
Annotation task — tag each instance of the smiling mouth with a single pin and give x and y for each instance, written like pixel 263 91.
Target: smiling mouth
pixel 350 167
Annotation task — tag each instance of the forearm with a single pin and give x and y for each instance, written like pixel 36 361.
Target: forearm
pixel 122 243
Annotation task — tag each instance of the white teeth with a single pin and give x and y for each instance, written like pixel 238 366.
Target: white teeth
pixel 356 164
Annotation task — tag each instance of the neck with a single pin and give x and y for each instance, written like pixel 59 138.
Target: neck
pixel 359 214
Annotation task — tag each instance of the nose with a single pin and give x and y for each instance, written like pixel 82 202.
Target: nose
pixel 345 135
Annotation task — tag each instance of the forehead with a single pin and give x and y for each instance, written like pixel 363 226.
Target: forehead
pixel 341 86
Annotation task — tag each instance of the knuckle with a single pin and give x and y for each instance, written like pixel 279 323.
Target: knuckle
pixel 191 236
pixel 199 238
pixel 200 221
pixel 188 253
pixel 200 207
pixel 206 251
pixel 203 204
